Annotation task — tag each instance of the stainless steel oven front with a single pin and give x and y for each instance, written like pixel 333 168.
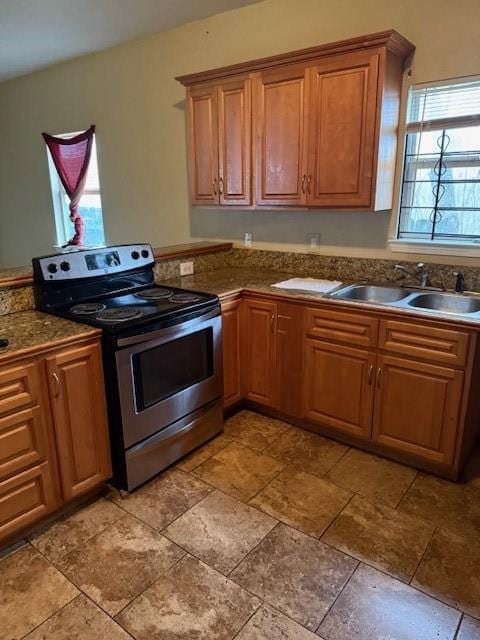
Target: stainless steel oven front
pixel 167 374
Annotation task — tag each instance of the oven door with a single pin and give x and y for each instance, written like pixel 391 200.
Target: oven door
pixel 167 374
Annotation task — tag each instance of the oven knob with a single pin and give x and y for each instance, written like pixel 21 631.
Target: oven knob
pixel 65 266
pixel 145 253
pixel 52 267
pixel 135 255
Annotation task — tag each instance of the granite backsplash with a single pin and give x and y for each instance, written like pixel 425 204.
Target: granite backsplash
pixel 20 297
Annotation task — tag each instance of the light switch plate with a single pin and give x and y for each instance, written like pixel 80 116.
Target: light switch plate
pixel 313 242
pixel 248 237
pixel 186 268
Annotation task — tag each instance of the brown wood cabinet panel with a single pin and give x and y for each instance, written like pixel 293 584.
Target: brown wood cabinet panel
pixel 26 498
pixel 234 136
pixel 259 360
pixel 341 326
pixel 231 337
pixel 417 408
pixel 78 403
pixel 202 119
pixel 289 361
pixel 19 386
pixel 424 341
pixel 23 440
pixel 339 387
pixel 281 136
pixel 342 121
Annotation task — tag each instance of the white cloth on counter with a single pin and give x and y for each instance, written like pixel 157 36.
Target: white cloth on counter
pixel 308 284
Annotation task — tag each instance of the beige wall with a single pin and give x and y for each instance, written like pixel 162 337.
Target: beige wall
pixel 130 93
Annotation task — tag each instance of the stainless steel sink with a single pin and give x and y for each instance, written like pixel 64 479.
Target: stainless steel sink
pixel 446 302
pixel 371 293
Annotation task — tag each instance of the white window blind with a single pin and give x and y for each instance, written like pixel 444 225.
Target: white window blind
pixel 441 179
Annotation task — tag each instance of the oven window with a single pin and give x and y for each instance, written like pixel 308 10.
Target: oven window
pixel 171 367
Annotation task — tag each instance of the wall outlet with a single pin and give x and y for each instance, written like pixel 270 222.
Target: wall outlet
pixel 313 242
pixel 186 268
pixel 248 237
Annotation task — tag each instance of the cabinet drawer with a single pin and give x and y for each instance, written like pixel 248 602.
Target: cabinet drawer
pixel 25 499
pixel 425 342
pixel 22 441
pixel 19 387
pixel 339 326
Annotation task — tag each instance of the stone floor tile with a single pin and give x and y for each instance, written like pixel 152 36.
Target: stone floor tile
pixel 191 601
pixel 373 477
pixel 239 471
pixel 308 451
pixel 469 629
pixel 374 606
pixel 450 505
pixel 302 500
pixel 295 573
pixel 195 459
pixel 380 536
pixel 119 563
pixel 220 530
pixel 72 531
pixel 268 624
pixel 450 571
pixel 254 430
pixel 164 499
pixel 79 620
pixel 31 590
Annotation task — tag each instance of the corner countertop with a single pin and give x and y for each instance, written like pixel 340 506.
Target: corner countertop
pixel 28 331
pixel 228 282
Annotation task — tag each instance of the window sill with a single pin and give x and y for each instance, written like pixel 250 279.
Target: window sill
pixel 438 247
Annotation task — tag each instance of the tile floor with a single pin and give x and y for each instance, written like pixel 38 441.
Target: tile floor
pixel 265 533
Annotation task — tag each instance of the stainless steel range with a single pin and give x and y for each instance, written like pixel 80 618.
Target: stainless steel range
pixel 161 351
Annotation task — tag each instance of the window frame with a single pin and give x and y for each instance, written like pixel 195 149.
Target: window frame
pixel 426 245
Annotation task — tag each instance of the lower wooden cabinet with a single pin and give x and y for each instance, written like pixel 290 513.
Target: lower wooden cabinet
pixel 53 433
pixel 231 336
pixel 417 408
pixel 339 387
pixel 260 319
pixel 80 418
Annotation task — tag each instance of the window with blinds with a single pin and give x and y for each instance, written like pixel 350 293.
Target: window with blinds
pixel 440 198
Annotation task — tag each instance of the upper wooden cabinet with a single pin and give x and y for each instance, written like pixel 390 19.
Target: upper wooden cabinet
pixel 219 133
pixel 324 124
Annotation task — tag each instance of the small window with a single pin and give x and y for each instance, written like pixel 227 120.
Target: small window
pixel 440 200
pixel 90 207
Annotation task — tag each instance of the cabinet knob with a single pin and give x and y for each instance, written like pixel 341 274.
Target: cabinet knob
pixel 272 323
pixel 220 186
pixel 379 377
pixel 56 384
pixel 214 186
pixel 304 180
pixel 370 374
pixel 309 180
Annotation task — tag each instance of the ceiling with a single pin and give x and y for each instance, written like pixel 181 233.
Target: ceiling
pixel 37 33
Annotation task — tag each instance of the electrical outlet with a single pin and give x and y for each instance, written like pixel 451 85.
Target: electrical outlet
pixel 248 237
pixel 313 242
pixel 186 268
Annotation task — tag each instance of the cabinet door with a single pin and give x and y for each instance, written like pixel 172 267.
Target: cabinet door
pixel 289 358
pixel 80 421
pixel 231 323
pixel 259 350
pixel 203 144
pixel 417 408
pixel 234 138
pixel 338 387
pixel 280 136
pixel 343 108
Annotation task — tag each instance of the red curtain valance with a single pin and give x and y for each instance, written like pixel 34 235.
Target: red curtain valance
pixel 71 157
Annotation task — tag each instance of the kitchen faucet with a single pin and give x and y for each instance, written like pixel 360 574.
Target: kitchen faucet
pixel 459 282
pixel 420 275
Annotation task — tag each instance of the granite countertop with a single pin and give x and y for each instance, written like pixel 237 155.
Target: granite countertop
pixel 226 282
pixel 27 331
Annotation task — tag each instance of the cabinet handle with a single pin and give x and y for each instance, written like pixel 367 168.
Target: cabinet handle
pixel 272 323
pixel 220 186
pixel 56 385
pixel 379 377
pixel 370 374
pixel 309 180
pixel 304 179
pixel 214 186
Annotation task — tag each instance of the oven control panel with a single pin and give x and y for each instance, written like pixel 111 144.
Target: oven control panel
pixel 87 263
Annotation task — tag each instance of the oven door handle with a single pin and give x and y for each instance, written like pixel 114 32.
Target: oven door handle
pixel 147 337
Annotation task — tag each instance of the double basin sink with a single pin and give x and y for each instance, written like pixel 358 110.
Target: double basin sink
pixel 411 298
